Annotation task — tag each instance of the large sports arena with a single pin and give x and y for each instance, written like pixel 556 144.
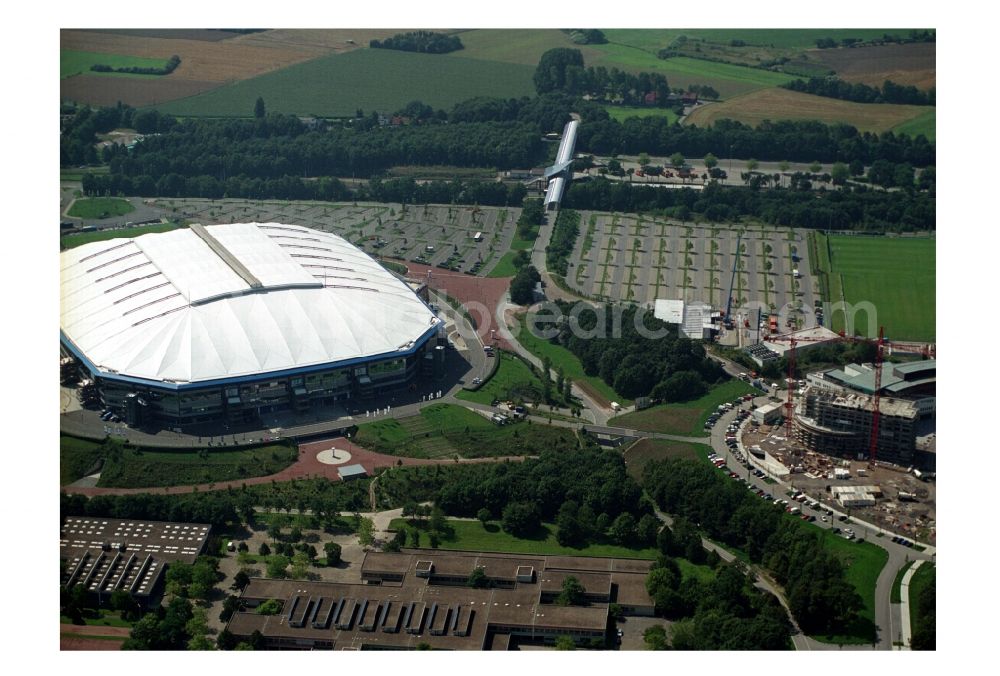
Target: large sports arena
pixel 227 322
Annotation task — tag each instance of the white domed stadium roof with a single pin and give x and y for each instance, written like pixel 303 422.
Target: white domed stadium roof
pixel 227 301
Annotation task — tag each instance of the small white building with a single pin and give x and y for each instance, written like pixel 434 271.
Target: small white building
pixel 856 496
pixel 768 413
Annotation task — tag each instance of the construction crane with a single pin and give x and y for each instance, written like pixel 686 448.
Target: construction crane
pixel 880 344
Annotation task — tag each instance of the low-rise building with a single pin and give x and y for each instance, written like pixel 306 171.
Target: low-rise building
pixel 417 597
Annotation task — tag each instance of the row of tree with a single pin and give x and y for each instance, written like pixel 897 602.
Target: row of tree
pixel 564 234
pixel 428 42
pixel 819 595
pixel 562 69
pixel 859 92
pixel 166 69
pixel 856 208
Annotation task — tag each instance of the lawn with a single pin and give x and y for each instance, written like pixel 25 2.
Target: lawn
pixel 100 207
pixel 471 536
pixel 505 266
pixel 687 417
pixel 100 617
pixel 925 123
pixel 73 62
pixel 447 430
pixel 337 85
pixel 895 275
pixel 71 241
pixel 76 458
pixel 512 380
pixel 142 468
pixel 650 450
pixel 622 113
pixel 923 577
pixel 864 562
pixel 894 595
pixel 572 368
pixel 783 104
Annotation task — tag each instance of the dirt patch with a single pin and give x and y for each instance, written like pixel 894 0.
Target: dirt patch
pixel 783 104
pixel 592 392
pixel 137 92
pixel 173 33
pixel 914 64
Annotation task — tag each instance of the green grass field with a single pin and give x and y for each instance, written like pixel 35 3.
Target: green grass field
pixel 71 241
pixel 896 275
pixel 100 207
pixel 145 468
pixel 447 430
pixel 651 450
pixel 864 562
pixel 76 458
pixel 571 366
pixel 471 536
pixel 924 575
pixel 786 38
pixel 687 417
pixel 622 113
pixel 925 123
pixel 505 266
pixel 894 595
pixel 73 62
pixel 337 85
pixel 513 377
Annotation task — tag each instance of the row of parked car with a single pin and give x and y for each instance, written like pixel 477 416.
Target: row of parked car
pixel 110 416
pixel 902 541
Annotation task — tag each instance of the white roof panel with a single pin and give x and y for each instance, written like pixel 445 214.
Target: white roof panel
pixel 167 306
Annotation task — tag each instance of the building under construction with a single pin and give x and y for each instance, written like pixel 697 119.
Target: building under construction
pixel 841 424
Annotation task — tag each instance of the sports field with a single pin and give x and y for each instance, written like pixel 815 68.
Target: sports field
pixel 782 104
pixel 73 62
pixel 338 85
pixel 896 275
pixel 100 207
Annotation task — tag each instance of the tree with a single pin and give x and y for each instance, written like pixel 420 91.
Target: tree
pixel 655 638
pixel 564 642
pixel 240 580
pixel 521 518
pixel 647 529
pixel 815 167
pixel 677 159
pixel 478 579
pixel 438 522
pixel 572 592
pixel 550 74
pixel 414 538
pixel 225 640
pixel 366 532
pixel 839 173
pixel 483 515
pixel 277 565
pixel 229 607
pixel 296 534
pixel 269 607
pixel 752 164
pixel 711 161
pixel 126 605
pixel 333 552
pixel 264 550
pixel 274 531
pixel 522 286
pixel 644 161
pixel 259 110
pixel 569 532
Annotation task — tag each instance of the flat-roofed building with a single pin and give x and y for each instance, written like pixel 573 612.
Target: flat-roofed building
pixel 106 554
pixel 418 597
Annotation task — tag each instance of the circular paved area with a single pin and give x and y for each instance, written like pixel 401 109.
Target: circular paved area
pixel 333 456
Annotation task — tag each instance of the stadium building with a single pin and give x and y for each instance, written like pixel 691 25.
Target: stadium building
pixel 228 322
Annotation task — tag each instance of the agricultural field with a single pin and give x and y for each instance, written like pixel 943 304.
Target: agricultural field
pixel 622 113
pixel 683 418
pixel 638 259
pixel 338 85
pixel 205 64
pixel 913 64
pixel 73 62
pixel 651 450
pixel 895 274
pixel 925 123
pixel 783 104
pixel 794 38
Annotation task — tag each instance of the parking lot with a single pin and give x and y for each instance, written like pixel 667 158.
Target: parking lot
pixel 438 235
pixel 631 257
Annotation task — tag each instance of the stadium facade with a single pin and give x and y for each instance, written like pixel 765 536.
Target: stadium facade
pixel 228 322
